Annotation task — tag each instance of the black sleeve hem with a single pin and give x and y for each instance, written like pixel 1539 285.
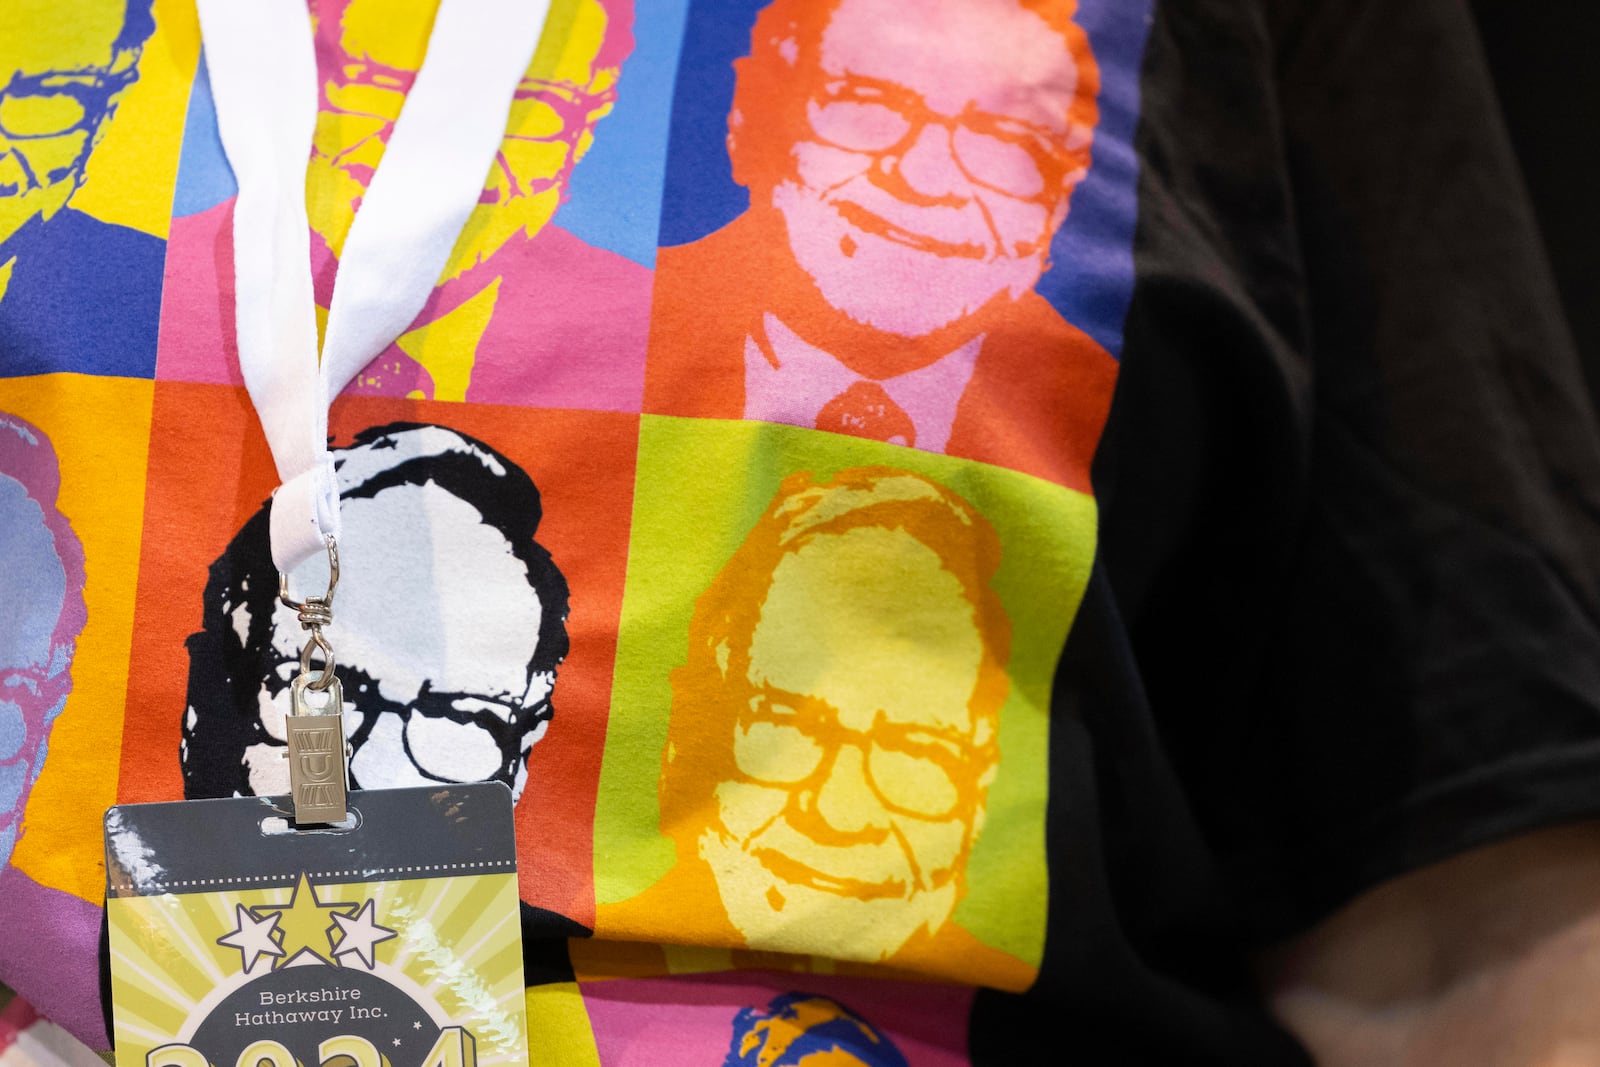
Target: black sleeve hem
pixel 1532 791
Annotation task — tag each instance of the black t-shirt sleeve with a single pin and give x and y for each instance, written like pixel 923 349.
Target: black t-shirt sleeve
pixel 1438 654
pixel 1377 640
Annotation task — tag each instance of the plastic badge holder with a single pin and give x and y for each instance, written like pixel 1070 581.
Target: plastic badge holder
pixel 391 940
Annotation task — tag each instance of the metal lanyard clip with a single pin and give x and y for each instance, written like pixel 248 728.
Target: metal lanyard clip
pixel 317 766
pixel 318 754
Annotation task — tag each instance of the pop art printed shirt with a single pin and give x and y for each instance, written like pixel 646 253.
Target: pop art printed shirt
pixel 730 500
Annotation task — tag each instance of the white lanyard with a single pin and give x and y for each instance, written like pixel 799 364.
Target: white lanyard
pixel 263 70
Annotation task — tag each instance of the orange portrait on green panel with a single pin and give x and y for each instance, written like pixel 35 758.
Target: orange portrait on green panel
pixel 860 681
pixel 816 764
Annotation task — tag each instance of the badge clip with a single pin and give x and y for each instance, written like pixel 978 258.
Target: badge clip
pixel 318 754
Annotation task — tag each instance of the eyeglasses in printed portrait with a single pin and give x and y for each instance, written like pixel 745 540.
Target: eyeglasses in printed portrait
pixel 498 326
pixel 834 731
pixel 41 585
pixel 76 293
pixel 373 50
pixel 908 163
pixel 449 625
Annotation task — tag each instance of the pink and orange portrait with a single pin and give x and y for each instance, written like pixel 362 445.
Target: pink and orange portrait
pixel 908 165
pixel 939 140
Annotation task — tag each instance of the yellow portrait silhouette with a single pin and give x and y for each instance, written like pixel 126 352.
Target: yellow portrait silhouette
pixel 379 46
pixel 62 78
pixel 81 251
pixel 834 729
pixel 369 52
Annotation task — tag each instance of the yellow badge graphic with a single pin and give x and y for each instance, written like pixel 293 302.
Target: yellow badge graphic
pixel 396 941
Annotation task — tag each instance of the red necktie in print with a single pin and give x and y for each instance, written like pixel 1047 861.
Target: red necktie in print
pixel 865 410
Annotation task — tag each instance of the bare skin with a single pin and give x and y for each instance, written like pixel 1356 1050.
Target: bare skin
pixel 1489 959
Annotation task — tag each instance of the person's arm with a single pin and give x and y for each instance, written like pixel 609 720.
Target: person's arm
pixel 1435 720
pixel 1375 563
pixel 1489 958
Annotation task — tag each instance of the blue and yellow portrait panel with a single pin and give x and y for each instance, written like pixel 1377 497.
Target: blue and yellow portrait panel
pixel 92 101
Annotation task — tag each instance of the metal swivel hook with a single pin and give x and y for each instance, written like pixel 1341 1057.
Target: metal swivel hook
pixel 314 613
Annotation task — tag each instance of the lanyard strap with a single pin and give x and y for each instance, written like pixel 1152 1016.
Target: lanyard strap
pixel 262 63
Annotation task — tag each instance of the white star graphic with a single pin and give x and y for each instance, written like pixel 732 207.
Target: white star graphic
pixel 397 1042
pixel 360 934
pixel 252 937
pixel 416 1026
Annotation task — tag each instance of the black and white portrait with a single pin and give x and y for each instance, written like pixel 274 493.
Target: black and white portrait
pixel 449 626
